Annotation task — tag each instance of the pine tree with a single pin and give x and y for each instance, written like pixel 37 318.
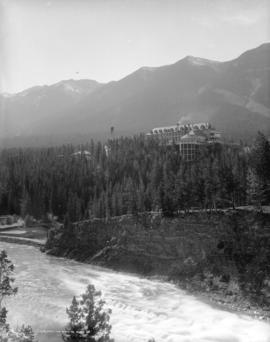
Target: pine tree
pixel 75 327
pixel 6 289
pixel 25 204
pixel 88 321
pixel 6 278
pixel 25 333
pixel 260 160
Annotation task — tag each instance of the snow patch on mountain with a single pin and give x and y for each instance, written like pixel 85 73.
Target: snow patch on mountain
pixel 200 61
pixel 68 87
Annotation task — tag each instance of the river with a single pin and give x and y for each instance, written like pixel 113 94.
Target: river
pixel 141 308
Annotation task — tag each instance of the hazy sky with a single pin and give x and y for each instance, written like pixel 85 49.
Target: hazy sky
pixel 45 41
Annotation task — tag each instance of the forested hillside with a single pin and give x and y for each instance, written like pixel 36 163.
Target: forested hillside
pixel 131 175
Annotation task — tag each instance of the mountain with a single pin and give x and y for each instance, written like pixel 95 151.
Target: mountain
pixel 24 112
pixel 234 96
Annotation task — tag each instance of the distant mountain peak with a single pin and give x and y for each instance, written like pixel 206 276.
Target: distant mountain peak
pixel 199 61
pixel 84 81
pixel 255 58
pixel 82 86
pixel 233 96
pixel 147 68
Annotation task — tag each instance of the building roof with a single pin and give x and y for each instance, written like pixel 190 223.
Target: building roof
pixel 182 127
pixel 193 137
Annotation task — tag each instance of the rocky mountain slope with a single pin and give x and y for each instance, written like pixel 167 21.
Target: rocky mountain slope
pixel 233 95
pixel 22 113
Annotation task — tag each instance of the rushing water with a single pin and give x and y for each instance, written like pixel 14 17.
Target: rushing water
pixel 141 308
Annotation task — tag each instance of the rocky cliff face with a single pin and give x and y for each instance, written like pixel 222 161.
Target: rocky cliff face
pixel 144 243
pixel 223 253
pixel 152 244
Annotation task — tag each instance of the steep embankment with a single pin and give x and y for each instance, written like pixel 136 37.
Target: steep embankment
pixel 222 253
pixel 146 244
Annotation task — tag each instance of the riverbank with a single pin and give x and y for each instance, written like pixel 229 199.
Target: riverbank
pixel 237 304
pixel 141 308
pixel 178 250
pixel 215 294
pixel 217 297
pixel 221 256
pixel 22 241
pixel 233 303
pixel 32 236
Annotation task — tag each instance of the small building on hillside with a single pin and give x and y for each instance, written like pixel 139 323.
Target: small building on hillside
pixel 82 154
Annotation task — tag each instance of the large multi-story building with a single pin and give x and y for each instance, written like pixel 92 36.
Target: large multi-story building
pixel 189 137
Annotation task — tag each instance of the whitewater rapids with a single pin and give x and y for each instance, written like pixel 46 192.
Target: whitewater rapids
pixel 141 308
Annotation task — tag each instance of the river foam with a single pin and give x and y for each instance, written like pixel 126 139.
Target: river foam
pixel 141 308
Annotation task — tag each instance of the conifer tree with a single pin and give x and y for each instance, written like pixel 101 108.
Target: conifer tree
pixel 88 320
pixel 25 333
pixel 260 159
pixel 6 278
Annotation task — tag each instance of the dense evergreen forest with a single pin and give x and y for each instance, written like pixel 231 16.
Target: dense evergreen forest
pixel 131 175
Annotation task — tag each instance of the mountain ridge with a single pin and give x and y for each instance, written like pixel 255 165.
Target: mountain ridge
pixel 190 89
